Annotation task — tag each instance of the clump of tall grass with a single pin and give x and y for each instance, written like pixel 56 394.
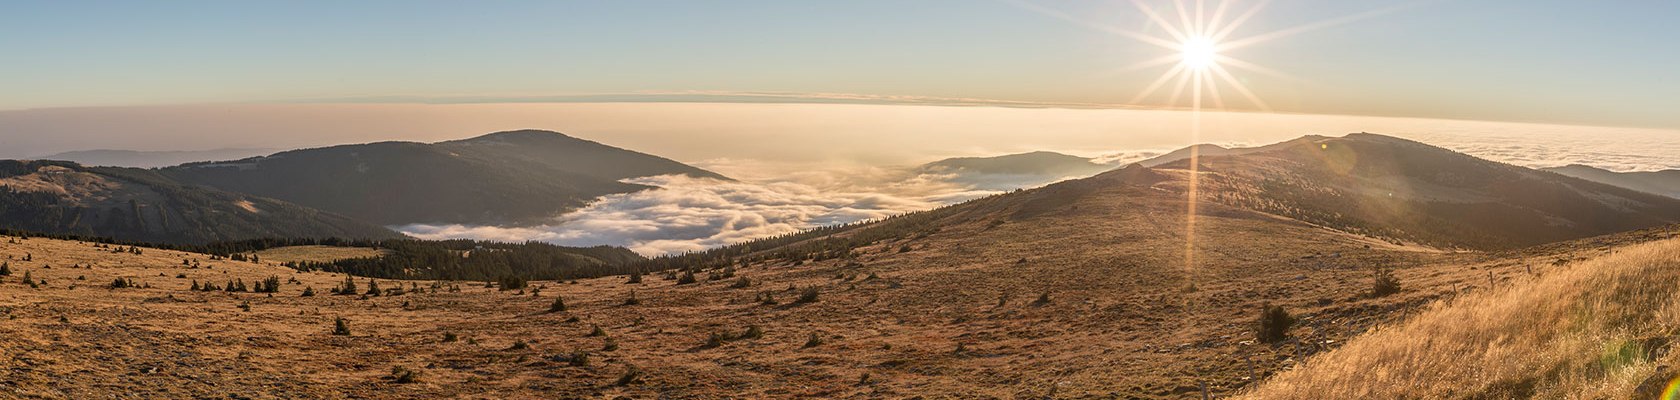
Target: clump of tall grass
pixel 1597 329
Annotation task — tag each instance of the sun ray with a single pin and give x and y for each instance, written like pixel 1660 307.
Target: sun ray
pixel 1240 87
pixel 1178 88
pixel 1218 18
pixel 1201 19
pixel 1281 33
pixel 1251 67
pixel 1053 13
pixel 1167 26
pixel 1156 85
pixel 1238 23
pixel 1213 91
pixel 1184 20
pixel 1155 62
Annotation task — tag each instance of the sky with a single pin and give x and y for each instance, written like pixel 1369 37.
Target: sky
pixel 1575 62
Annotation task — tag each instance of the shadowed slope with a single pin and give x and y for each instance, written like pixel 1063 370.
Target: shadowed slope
pixel 1665 182
pixel 138 205
pixel 506 177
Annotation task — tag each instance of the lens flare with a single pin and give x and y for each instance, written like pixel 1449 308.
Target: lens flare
pixel 1672 391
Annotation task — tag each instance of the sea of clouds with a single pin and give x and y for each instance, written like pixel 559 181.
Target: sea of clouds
pixel 768 199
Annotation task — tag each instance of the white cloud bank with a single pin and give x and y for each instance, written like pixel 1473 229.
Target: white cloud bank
pixel 691 214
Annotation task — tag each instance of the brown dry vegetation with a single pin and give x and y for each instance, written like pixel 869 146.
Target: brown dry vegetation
pixel 1119 321
pixel 1596 329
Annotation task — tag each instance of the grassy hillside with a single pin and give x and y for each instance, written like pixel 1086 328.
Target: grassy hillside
pixel 1602 328
pixel 138 205
pixel 1408 191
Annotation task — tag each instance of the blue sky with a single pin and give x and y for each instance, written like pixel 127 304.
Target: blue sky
pixel 1602 63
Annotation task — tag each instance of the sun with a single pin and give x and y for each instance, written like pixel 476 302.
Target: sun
pixel 1198 54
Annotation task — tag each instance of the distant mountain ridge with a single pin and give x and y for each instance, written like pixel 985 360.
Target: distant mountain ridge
pixel 1665 182
pixel 1396 188
pixel 500 178
pixel 152 159
pixel 139 205
pixel 1033 163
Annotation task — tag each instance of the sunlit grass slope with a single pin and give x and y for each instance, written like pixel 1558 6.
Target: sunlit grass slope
pixel 1597 329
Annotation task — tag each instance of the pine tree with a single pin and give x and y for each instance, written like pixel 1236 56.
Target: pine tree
pixel 269 285
pixel 1384 283
pixel 341 327
pixel 1274 324
pixel 349 286
pixel 559 305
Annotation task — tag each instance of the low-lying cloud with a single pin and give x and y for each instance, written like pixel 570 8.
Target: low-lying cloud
pixel 692 214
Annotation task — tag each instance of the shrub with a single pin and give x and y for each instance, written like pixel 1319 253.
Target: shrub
pixel 813 341
pixel 1384 283
pixel 753 333
pixel 597 331
pixel 308 291
pixel 269 285
pixel 1274 324
pixel 632 300
pixel 509 282
pixel 400 374
pixel 631 374
pixel 348 288
pixel 450 337
pixel 809 295
pixel 715 340
pixel 519 345
pixel 341 327
pixel 559 305
pixel 1043 299
pixel 635 277
pixel 741 283
pixel 687 278
pixel 579 358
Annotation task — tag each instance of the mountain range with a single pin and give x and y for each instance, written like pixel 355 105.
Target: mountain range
pixel 139 205
pixel 500 178
pixel 1665 182
pixel 341 191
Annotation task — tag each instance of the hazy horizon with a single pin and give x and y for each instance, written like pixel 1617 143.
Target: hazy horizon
pixel 872 134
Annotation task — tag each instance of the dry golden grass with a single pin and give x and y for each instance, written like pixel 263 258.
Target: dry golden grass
pixel 1597 329
pixel 956 317
pixel 316 253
